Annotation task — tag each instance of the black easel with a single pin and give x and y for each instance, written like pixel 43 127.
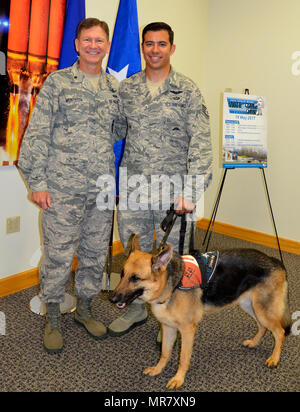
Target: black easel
pixel 216 206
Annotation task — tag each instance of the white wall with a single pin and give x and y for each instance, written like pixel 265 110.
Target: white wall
pixel 250 45
pixel 18 251
pixel 220 44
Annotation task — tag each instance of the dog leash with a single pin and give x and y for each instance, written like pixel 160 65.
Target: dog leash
pixel 167 225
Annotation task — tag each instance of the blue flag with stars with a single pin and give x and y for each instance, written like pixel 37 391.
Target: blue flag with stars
pixel 124 57
pixel 75 12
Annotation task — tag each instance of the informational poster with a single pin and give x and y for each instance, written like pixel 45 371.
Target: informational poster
pixel 244 131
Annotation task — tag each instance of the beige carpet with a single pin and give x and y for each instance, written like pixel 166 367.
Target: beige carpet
pixel 219 361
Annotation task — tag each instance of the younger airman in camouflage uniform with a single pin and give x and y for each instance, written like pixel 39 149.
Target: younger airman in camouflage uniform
pixel 168 134
pixel 67 146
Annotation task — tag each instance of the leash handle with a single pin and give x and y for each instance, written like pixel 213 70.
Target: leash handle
pixel 167 232
pixel 167 225
pixel 167 221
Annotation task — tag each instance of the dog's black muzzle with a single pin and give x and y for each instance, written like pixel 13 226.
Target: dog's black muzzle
pixel 122 300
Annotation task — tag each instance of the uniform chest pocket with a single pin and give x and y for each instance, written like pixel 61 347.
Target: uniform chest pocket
pixel 132 107
pixel 107 108
pixel 174 126
pixel 175 134
pixel 75 108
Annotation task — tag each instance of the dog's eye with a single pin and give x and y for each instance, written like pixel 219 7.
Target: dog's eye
pixel 134 279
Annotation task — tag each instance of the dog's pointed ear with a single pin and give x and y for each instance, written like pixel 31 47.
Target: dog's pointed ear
pixel 132 245
pixel 162 260
pixel 135 245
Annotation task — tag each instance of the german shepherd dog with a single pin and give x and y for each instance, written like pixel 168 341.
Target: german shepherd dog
pixel 247 277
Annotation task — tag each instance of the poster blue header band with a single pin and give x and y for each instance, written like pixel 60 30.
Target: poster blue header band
pixel 263 165
pixel 242 106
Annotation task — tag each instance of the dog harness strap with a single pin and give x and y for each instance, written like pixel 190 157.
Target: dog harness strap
pixel 210 261
pixel 182 234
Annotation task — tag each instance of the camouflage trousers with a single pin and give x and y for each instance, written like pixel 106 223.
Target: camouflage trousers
pixel 73 225
pixel 144 223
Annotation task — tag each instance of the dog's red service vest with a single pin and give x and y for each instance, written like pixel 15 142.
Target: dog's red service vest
pixel 191 277
pixel 198 270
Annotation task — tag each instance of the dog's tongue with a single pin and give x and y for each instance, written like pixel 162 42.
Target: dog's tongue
pixel 121 305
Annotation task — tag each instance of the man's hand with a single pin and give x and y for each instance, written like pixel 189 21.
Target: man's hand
pixel 42 199
pixel 183 206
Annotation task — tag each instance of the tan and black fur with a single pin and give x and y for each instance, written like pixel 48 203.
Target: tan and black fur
pixel 247 277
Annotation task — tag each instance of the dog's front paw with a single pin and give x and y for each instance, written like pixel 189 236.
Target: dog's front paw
pixel 249 343
pixel 152 371
pixel 175 382
pixel 272 361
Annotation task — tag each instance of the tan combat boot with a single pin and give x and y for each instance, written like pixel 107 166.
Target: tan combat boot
pixel 83 316
pixel 53 341
pixel 136 315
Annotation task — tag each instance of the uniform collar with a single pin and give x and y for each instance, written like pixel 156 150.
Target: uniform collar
pixel 171 76
pixel 173 79
pixel 77 74
pixel 171 82
pixel 79 77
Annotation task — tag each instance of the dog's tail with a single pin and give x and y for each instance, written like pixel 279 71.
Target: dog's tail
pixel 286 320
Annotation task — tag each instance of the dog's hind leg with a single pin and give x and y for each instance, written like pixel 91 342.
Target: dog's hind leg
pixel 252 343
pixel 273 324
pixel 247 306
pixel 168 339
pixel 269 306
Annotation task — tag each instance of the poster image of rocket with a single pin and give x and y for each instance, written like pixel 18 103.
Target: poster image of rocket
pixel 244 131
pixel 31 34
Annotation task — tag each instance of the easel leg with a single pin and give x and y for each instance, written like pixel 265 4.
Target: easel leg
pixel 269 201
pixel 214 213
pixel 215 209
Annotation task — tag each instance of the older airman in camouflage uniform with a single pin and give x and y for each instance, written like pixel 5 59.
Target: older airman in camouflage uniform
pixel 67 146
pixel 168 134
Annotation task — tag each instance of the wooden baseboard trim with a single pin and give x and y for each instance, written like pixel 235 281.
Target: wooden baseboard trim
pixel 29 278
pixel 24 280
pixel 287 245
pixel 18 282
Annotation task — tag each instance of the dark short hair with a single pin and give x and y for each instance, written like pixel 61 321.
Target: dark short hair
pixel 89 23
pixel 157 26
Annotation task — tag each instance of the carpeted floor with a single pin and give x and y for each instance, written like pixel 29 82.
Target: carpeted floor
pixel 219 361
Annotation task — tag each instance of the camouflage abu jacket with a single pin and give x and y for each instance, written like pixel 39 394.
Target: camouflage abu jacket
pixel 69 140
pixel 169 133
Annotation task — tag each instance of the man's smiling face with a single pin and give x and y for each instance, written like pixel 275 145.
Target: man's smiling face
pixel 157 49
pixel 92 46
